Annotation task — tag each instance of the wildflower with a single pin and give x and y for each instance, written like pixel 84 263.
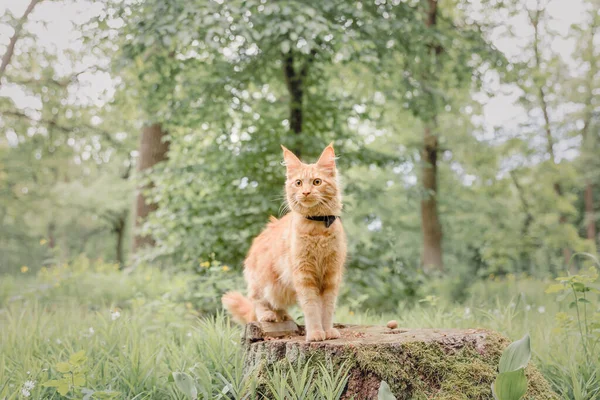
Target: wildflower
pixel 189 334
pixel 351 313
pixel 467 311
pixel 115 314
pixel 24 269
pixel 225 268
pixel 528 307
pixel 541 309
pixel 25 392
pixel 205 264
pixel 43 242
pixel 29 385
pixel 58 341
pixel 512 304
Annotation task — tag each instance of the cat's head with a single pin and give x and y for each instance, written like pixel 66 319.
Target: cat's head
pixel 312 189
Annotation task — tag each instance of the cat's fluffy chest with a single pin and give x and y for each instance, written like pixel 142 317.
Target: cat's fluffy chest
pixel 312 241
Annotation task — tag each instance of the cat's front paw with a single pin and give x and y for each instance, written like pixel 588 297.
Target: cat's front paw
pixel 315 336
pixel 332 333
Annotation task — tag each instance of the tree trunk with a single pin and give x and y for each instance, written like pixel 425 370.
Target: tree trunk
pixel 119 230
pixel 51 235
pixel 415 363
pixel 153 149
pixel 547 127
pixel 430 222
pixel 295 80
pixel 10 49
pixel 590 216
pixel 431 228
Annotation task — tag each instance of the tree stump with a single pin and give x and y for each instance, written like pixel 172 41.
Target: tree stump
pixel 416 363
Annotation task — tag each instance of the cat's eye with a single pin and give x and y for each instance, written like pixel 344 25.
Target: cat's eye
pixel 298 182
pixel 317 182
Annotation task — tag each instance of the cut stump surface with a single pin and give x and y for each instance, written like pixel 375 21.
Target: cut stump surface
pixel 416 363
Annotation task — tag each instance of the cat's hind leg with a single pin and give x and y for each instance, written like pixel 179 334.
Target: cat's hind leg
pixel 282 315
pixel 264 311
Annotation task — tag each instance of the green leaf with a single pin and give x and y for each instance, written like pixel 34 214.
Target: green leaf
pixel 385 393
pixel 63 387
pixel 185 383
pixel 51 383
pixel 516 355
pixel 510 385
pixel 579 287
pixel 63 367
pixel 78 379
pixel 77 358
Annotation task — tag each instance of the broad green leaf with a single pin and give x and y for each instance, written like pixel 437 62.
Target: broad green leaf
pixel 186 384
pixel 516 355
pixel 510 385
pixel 77 358
pixel 78 379
pixel 63 387
pixel 63 367
pixel 385 393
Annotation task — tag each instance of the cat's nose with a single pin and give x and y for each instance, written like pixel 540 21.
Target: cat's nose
pixel 305 193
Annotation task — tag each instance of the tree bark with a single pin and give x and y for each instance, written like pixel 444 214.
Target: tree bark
pixel 566 251
pixel 15 37
pixel 120 245
pixel 431 228
pixel 589 141
pixel 295 80
pixel 430 222
pixel 415 363
pixel 153 149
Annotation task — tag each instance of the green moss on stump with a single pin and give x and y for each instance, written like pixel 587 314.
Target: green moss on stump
pixel 447 364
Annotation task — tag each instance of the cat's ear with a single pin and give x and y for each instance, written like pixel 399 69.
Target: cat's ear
pixel 291 161
pixel 327 159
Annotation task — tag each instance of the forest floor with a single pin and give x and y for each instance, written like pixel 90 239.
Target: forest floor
pixel 90 331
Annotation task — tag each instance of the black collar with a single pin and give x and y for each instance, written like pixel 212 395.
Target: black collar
pixel 328 219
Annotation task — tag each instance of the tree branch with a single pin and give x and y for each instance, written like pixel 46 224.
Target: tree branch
pixel 13 40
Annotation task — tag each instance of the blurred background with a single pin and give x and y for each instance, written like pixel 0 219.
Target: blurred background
pixel 467 132
pixel 139 149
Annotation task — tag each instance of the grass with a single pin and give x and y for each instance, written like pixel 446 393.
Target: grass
pixel 136 328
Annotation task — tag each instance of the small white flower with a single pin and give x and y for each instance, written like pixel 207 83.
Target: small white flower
pixel 512 304
pixel 58 341
pixel 189 334
pixel 25 392
pixel 28 372
pixel 528 307
pixel 114 314
pixel 541 309
pixel 29 385
pixel 467 311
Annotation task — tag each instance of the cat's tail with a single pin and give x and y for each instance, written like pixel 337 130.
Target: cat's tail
pixel 240 307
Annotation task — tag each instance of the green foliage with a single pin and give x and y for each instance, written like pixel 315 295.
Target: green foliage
pixel 511 385
pixel 143 329
pixel 511 382
pixel 384 392
pixel 516 355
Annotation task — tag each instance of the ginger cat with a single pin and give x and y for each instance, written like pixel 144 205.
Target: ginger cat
pixel 300 257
